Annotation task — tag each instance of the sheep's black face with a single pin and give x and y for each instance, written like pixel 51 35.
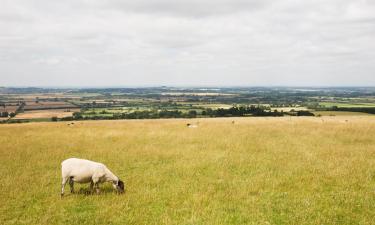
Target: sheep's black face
pixel 120 186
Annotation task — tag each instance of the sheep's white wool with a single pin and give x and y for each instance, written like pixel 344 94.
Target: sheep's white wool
pixel 85 171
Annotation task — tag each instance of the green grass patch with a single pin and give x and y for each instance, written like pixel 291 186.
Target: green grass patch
pixel 340 113
pixel 346 104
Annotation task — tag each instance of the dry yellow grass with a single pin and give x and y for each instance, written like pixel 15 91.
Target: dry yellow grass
pixel 38 114
pixel 255 171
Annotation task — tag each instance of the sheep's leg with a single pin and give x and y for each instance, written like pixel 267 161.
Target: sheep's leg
pixel 64 180
pixel 95 181
pixel 91 187
pixel 97 188
pixel 71 183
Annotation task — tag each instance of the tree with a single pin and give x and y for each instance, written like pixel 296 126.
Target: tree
pixel 77 115
pixel 305 113
pixel 4 114
pixel 192 114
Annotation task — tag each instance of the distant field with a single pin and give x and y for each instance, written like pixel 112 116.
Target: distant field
pixel 8 108
pixel 32 105
pixel 251 171
pixel 213 106
pixel 32 97
pixel 37 114
pixel 340 113
pixel 340 104
pixel 183 107
pixel 288 109
pixel 197 93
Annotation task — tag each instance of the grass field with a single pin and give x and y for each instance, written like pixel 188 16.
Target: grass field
pixel 37 114
pixel 32 105
pixel 253 171
pixel 347 104
pixel 340 113
pixel 9 109
pixel 288 109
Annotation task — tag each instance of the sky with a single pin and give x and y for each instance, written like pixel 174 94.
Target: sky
pixel 187 43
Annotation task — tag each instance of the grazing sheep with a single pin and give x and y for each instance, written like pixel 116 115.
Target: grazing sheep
pixel 192 125
pixel 86 171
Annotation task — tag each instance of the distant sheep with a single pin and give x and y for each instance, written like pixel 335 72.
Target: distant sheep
pixel 86 171
pixel 192 125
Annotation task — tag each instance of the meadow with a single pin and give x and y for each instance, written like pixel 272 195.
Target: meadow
pixel 348 104
pixel 289 170
pixel 38 114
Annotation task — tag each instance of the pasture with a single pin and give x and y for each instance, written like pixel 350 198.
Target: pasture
pixel 39 114
pixel 285 170
pixel 340 113
pixel 348 104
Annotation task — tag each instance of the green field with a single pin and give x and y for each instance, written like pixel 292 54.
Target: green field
pixel 347 104
pixel 340 113
pixel 254 171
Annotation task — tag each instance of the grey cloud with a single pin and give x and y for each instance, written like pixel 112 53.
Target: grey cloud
pixel 157 42
pixel 189 8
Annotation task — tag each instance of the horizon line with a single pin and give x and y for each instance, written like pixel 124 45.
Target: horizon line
pixel 186 86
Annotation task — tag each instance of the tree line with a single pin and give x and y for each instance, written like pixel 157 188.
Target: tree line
pixel 241 111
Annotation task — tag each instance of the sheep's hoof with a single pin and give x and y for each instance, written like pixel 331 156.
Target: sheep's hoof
pixel 62 195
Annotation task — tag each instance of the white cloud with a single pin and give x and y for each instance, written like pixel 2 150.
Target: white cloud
pixel 206 42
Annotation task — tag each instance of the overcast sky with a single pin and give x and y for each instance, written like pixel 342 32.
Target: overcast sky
pixel 187 42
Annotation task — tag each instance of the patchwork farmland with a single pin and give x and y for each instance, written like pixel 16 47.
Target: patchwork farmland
pixel 33 104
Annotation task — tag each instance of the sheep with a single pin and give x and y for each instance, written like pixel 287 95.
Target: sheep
pixel 189 125
pixel 86 171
